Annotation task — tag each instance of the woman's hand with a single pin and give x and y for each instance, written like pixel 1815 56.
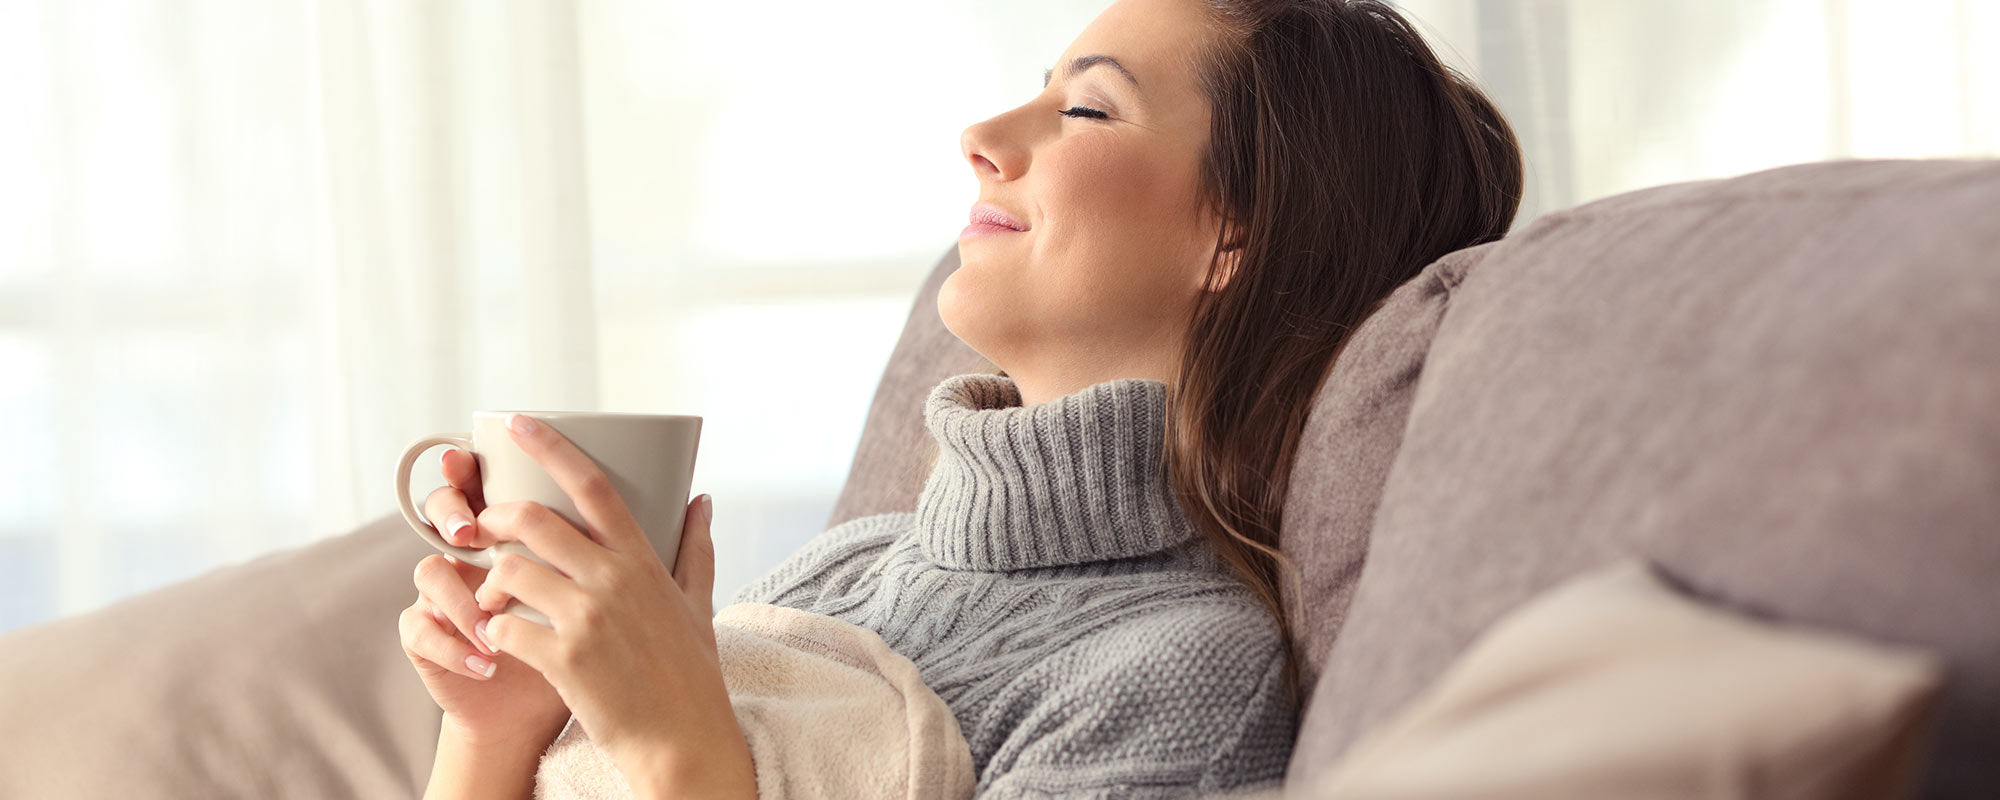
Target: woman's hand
pixel 513 704
pixel 632 649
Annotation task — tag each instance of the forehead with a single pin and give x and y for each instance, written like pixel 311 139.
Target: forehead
pixel 1154 39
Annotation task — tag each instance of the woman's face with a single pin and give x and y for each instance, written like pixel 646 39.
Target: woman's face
pixel 1100 284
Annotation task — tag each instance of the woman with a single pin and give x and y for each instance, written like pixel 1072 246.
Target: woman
pixel 1202 202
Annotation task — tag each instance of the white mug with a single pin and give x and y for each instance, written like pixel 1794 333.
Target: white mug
pixel 648 457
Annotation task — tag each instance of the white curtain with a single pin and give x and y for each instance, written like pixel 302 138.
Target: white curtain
pixel 1613 95
pixel 250 248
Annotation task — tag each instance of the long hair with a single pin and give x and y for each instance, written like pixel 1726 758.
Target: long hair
pixel 1343 157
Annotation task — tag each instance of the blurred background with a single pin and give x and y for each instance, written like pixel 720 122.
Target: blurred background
pixel 249 249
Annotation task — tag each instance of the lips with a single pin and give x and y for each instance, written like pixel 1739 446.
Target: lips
pixel 983 214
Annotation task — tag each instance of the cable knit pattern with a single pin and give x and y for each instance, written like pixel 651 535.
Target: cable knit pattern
pixel 1053 592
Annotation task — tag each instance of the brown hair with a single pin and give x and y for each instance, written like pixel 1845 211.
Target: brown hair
pixel 1343 157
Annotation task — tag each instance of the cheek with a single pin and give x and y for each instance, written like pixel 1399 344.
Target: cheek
pixel 1117 238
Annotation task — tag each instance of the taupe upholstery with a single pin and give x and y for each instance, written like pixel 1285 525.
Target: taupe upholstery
pixel 1350 438
pixel 1782 386
pixel 888 468
pixel 282 676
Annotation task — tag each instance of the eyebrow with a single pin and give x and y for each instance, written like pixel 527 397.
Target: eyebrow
pixel 1086 62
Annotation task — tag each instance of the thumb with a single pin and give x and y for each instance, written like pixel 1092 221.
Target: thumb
pixel 694 565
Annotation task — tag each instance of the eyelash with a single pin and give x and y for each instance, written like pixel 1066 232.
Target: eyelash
pixel 1084 111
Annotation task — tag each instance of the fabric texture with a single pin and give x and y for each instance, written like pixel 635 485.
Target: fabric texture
pixel 281 676
pixel 1780 387
pixel 1057 598
pixel 828 710
pixel 1350 439
pixel 1614 684
pixel 1776 385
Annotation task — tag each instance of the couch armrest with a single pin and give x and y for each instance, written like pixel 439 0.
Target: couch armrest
pixel 280 676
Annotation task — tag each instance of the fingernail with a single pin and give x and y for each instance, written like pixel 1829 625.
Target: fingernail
pixel 458 522
pixel 521 424
pixel 479 629
pixel 707 509
pixel 480 665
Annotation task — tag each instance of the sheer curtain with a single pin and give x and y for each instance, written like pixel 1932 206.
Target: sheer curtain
pixel 1612 95
pixel 250 248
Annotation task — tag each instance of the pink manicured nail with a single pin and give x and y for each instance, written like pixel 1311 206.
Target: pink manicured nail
pixel 480 665
pixel 479 629
pixel 521 424
pixel 455 525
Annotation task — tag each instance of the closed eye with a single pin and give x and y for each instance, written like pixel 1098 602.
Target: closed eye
pixel 1084 111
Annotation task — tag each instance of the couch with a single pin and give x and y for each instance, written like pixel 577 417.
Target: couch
pixel 1782 388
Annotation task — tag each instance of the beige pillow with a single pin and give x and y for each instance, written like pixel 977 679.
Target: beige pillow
pixel 1616 685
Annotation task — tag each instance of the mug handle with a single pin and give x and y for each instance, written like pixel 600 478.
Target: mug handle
pixel 464 442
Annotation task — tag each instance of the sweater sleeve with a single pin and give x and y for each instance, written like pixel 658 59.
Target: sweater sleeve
pixel 1185 704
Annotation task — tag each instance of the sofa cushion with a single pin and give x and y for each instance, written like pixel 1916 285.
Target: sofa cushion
pixel 279 676
pixel 1780 386
pixel 890 462
pixel 1348 442
pixel 1617 685
pixel 1345 450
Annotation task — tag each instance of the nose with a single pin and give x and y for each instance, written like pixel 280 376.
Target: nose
pixel 993 152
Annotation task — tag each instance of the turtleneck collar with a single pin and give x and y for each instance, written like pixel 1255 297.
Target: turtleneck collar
pixel 1074 480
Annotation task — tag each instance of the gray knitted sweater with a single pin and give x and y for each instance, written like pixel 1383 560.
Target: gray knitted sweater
pixel 1051 590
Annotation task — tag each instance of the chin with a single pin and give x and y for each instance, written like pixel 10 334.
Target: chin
pixel 964 313
pixel 950 301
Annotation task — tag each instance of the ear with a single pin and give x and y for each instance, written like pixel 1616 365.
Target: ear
pixel 1227 260
pixel 1218 225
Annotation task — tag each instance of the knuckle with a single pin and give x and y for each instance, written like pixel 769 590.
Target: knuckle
pixel 498 628
pixel 465 466
pixel 590 616
pixel 433 644
pixel 428 569
pixel 595 484
pixel 503 515
pixel 441 501
pixel 637 578
pixel 457 605
pixel 415 627
pixel 532 514
pixel 568 656
pixel 615 582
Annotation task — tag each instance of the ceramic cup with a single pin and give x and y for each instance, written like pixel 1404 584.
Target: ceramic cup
pixel 648 457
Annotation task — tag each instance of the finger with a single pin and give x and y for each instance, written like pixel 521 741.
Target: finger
pixel 551 537
pixel 515 576
pixel 452 517
pixel 694 565
pixel 536 645
pixel 438 581
pixel 604 513
pixel 461 470
pixel 424 637
pixel 468 573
